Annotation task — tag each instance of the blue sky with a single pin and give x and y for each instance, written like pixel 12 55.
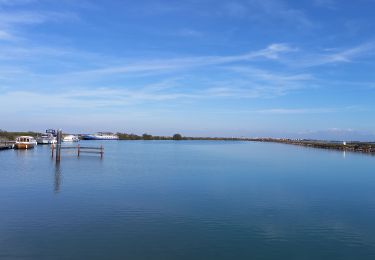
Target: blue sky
pixel 219 68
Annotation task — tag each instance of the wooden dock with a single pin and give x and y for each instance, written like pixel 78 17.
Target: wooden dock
pixel 79 150
pixel 5 145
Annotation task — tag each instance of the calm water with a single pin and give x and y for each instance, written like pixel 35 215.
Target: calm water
pixel 188 200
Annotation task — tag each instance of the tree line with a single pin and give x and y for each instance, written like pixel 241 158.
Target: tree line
pixel 145 136
pixel 11 136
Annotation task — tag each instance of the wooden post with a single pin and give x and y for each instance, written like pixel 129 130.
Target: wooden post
pixel 52 149
pixel 58 145
pixel 101 152
pixel 78 150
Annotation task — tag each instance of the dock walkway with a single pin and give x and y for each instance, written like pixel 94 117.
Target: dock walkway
pixel 5 145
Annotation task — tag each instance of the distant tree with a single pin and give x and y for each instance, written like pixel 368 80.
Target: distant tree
pixel 135 137
pixel 146 137
pixel 177 137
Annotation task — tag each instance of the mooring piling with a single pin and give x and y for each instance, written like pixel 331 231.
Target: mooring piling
pixel 58 145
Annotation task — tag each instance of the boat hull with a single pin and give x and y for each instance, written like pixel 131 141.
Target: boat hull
pixel 70 138
pixel 93 137
pixel 43 141
pixel 23 146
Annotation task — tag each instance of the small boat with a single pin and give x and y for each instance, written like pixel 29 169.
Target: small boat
pixel 101 136
pixel 25 142
pixel 70 138
pixel 47 138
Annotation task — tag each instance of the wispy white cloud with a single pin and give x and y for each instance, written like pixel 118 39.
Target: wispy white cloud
pixel 308 58
pixel 12 23
pixel 271 76
pixel 83 99
pixel 241 81
pixel 14 18
pixel 19 18
pixel 77 96
pixel 257 10
pixel 308 110
pixel 246 80
pixel 348 54
pixel 5 35
pixel 273 52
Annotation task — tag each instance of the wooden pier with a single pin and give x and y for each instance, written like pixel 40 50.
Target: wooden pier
pixel 79 150
pixel 5 145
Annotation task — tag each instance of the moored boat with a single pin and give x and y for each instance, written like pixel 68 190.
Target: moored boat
pixel 101 136
pixel 70 138
pixel 25 142
pixel 47 138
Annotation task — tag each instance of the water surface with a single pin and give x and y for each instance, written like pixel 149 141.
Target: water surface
pixel 187 200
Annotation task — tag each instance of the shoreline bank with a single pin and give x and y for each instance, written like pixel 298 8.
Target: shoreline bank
pixel 359 147
pixel 350 146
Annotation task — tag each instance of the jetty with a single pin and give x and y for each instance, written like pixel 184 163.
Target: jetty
pixel 5 145
pixel 361 147
pixel 79 149
pixel 56 149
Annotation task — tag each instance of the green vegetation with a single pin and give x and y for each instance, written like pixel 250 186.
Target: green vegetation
pixel 145 136
pixel 177 137
pixel 11 136
pixel 350 146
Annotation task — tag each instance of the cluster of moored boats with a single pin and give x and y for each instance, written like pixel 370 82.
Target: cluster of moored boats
pixel 50 137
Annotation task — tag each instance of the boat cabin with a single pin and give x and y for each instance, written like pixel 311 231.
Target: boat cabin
pixel 25 139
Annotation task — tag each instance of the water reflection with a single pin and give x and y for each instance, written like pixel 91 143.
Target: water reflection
pixel 23 152
pixel 57 180
pixel 182 200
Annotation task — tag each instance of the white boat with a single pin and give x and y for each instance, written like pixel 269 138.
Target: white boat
pixel 70 138
pixel 101 136
pixel 46 138
pixel 25 142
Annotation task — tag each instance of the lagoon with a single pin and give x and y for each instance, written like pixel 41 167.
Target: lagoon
pixel 187 200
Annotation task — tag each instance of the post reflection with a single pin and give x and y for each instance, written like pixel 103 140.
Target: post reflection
pixel 57 179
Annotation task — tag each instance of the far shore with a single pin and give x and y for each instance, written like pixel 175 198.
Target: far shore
pixel 352 146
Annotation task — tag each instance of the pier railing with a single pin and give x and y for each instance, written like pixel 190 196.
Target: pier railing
pixel 78 149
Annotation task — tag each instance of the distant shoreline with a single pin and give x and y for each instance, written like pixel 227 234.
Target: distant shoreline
pixel 351 146
pixel 360 147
